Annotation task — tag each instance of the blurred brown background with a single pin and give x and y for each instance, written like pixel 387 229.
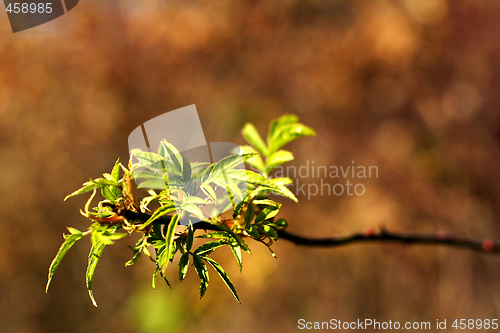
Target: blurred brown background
pixel 409 86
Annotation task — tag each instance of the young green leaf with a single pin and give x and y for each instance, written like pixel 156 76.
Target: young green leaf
pixel 250 214
pixel 267 213
pixel 268 230
pixel 253 137
pixel 92 185
pixel 169 240
pixel 228 163
pixel 209 191
pixel 195 200
pixel 280 223
pixel 259 180
pixel 208 247
pixel 186 169
pixel 279 122
pixel 215 234
pixel 218 268
pixel 286 133
pixel 155 274
pixel 162 211
pixel 202 271
pixel 237 255
pixel 256 161
pixel 193 209
pixel 69 241
pixel 278 158
pixel 94 256
pixel 166 148
pixel 183 265
pixel 190 237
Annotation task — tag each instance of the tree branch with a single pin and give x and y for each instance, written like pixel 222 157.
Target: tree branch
pixel 384 236
pixel 368 236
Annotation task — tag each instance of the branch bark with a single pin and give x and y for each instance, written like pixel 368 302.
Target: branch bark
pixel 384 236
pixel 368 236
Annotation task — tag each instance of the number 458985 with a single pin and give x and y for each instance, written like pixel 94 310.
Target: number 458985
pixel 29 8
pixel 475 324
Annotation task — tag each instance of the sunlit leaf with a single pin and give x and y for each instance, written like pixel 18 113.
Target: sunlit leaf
pixel 94 256
pixel 183 265
pixel 253 137
pixel 208 247
pixel 193 209
pixel 169 239
pixel 277 158
pixel 202 271
pixel 92 185
pixel 186 169
pixel 190 237
pixel 237 255
pixel 256 161
pixel 218 268
pixel 69 241
pixel 285 133
pixel 162 211
pixel 267 213
pixel 172 153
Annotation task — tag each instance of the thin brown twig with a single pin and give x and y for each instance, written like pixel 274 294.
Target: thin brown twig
pixel 368 236
pixel 384 236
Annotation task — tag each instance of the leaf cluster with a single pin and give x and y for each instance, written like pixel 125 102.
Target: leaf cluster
pixel 182 193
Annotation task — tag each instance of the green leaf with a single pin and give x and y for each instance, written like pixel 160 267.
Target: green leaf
pixel 208 247
pixel 138 249
pixel 281 181
pixel 286 133
pixel 202 271
pixel 190 237
pixel 237 255
pixel 250 214
pixel 253 137
pixel 195 200
pixel 146 157
pixel 253 231
pixel 215 234
pixel 236 237
pixel 193 209
pixel 280 223
pixel 259 180
pixel 183 265
pixel 162 211
pixel 228 163
pixel 186 169
pixel 172 152
pixel 267 202
pixel 279 122
pixel 94 256
pixel 269 231
pixel 115 174
pixel 218 268
pixel 209 191
pixel 92 185
pixel 73 231
pixel 256 161
pixel 267 213
pixel 155 274
pixel 169 240
pixel 69 241
pixel 135 258
pixel 278 158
